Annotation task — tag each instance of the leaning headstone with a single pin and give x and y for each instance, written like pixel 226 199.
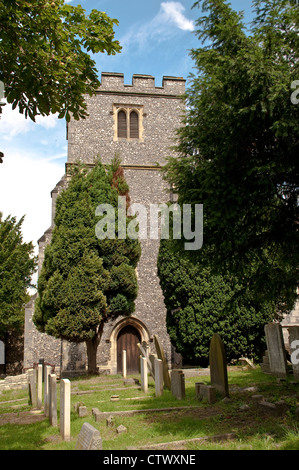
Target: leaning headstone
pixel 53 400
pixel 178 384
pixel 161 355
pixel 144 349
pixel 294 349
pixel 276 350
pixel 144 377
pixel 158 377
pixel 32 387
pixel 89 438
pixel 65 409
pixel 218 366
pixel 152 358
pixel 39 386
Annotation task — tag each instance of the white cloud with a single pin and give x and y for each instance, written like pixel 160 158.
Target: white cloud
pixel 13 123
pixel 173 12
pixel 162 27
pixel 25 186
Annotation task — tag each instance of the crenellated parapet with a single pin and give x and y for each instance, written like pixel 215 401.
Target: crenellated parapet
pixel 114 82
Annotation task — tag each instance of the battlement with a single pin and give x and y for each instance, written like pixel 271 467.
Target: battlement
pixel 114 82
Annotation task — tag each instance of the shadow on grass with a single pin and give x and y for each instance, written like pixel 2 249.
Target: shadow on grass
pixel 31 436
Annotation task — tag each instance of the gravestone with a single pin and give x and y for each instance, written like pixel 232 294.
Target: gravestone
pixel 158 377
pixel 82 411
pixel 124 364
pixel 197 390
pixel 294 349
pixel 89 438
pixel 32 387
pixel 39 386
pixel 206 392
pixel 53 400
pixel 42 362
pixel 144 377
pixel 161 355
pixel 152 358
pixel 65 409
pixel 47 372
pixel 218 366
pixel 144 349
pixel 178 384
pixel 276 350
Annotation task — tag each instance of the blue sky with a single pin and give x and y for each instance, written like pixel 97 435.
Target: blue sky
pixel 156 37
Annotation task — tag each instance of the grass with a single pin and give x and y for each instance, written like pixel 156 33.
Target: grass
pixel 253 431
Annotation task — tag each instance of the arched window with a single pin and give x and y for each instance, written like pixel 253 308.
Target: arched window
pixel 122 125
pixel 134 125
pixel 128 122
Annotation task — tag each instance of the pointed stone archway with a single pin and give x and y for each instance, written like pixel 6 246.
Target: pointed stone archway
pixel 127 340
pixel 125 335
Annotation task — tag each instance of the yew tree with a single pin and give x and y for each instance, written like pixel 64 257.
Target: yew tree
pixel 238 149
pixel 17 265
pixel 86 280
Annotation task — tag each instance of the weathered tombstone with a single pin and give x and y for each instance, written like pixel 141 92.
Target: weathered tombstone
pixel 144 377
pixel 144 349
pixel 47 373
pixel 161 355
pixel 178 384
pixel 39 386
pixel 158 377
pixel 294 349
pixel 82 411
pixel 152 358
pixel 53 400
pixel 276 350
pixel 124 364
pixel 32 387
pixel 218 366
pixel 208 393
pixel 110 422
pixel 89 438
pixel 65 409
pixel 197 390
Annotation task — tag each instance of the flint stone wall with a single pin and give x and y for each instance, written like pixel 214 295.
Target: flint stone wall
pixel 162 109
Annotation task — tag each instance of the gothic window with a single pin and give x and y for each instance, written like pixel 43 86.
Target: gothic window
pixel 128 122
pixel 122 125
pixel 134 128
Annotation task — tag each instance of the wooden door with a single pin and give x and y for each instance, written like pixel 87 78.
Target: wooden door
pixel 127 339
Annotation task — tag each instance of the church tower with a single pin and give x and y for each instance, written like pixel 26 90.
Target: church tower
pixel 136 122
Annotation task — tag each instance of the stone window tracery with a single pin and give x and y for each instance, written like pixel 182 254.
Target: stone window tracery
pixel 128 122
